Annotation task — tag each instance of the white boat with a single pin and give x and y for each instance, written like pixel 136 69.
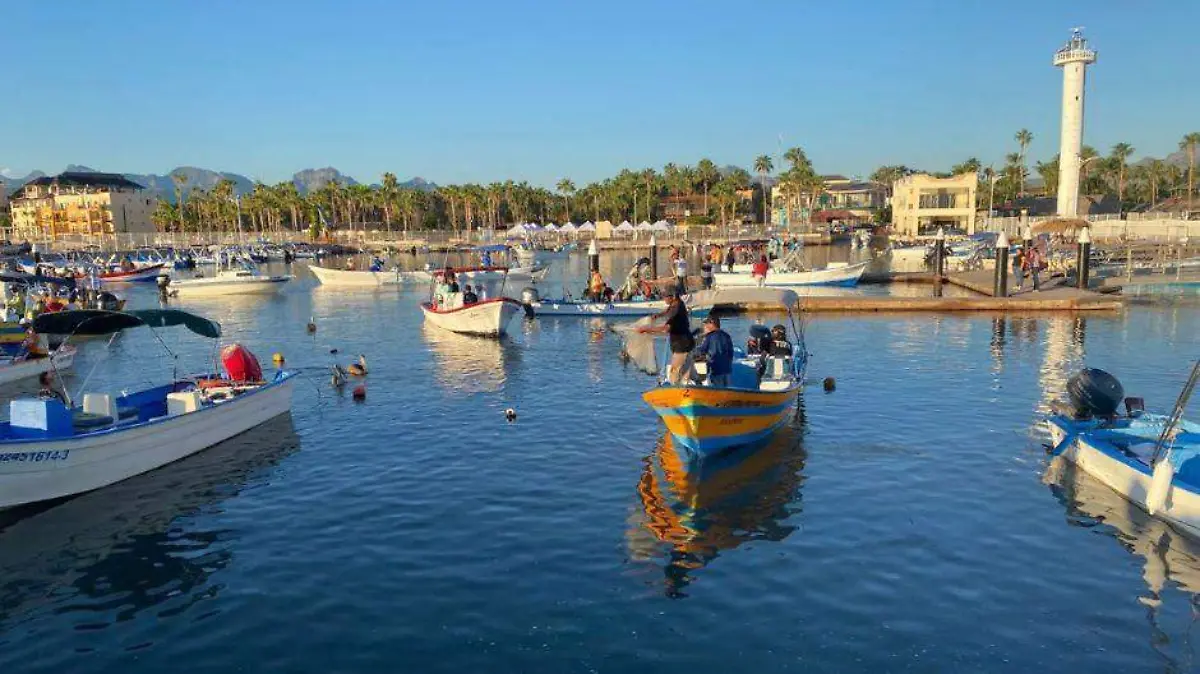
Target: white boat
pixel 353 278
pixel 1132 457
pixel 50 449
pixel 836 274
pixel 24 367
pixel 585 308
pixel 228 282
pixel 488 318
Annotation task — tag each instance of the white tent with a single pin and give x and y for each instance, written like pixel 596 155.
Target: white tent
pixel 644 226
pixel 532 227
pixel 568 228
pixel 623 227
pixel 661 226
pixel 587 227
pixel 516 230
pixel 550 227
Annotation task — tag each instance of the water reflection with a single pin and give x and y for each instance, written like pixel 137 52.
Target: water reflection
pixel 115 552
pixel 700 508
pixel 1063 355
pixel 469 364
pixel 1168 556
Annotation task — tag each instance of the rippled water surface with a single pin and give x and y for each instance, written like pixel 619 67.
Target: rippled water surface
pixel 907 522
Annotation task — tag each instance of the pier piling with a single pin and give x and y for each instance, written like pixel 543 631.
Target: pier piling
pixel 653 256
pixel 1000 287
pixel 1083 262
pixel 593 257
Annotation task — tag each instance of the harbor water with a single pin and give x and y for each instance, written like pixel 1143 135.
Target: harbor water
pixel 908 521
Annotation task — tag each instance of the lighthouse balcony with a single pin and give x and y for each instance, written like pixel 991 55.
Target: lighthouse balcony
pixel 1065 56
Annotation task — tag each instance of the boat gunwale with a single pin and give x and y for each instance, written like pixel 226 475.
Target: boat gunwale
pixel 428 306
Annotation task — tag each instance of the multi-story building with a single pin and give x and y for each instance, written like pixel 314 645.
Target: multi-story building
pixel 922 203
pixel 79 203
pixel 855 200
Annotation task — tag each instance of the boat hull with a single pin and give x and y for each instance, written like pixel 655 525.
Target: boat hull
pixel 613 309
pixel 41 470
pixel 143 275
pixel 61 359
pixel 708 421
pixel 1124 474
pixel 265 285
pixel 489 318
pixel 348 278
pixel 847 276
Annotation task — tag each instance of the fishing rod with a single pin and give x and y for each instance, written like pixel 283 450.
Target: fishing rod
pixel 1176 414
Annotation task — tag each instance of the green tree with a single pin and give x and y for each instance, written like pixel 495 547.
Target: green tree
pixel 763 165
pixel 179 179
pixel 1189 144
pixel 1023 138
pixel 389 194
pixel 1048 171
pixel 1121 152
pixel 971 165
pixel 707 175
pixel 566 188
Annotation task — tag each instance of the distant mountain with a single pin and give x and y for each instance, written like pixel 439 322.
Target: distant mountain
pixel 1175 158
pixel 163 186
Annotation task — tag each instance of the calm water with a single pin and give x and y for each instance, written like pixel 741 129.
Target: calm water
pixel 907 522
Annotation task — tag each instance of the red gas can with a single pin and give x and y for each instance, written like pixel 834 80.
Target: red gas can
pixel 240 364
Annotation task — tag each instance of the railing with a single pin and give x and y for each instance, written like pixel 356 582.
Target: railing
pixel 1143 227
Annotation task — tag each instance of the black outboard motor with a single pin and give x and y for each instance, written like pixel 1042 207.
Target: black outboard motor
pixel 108 301
pixel 1095 393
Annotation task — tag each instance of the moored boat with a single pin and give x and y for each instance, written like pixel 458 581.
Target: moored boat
pixel 489 318
pixel 52 448
pixel 24 354
pixel 355 278
pixel 1151 460
pixel 835 274
pixel 144 274
pixel 228 282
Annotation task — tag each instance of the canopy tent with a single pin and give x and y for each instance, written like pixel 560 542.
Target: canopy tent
pixel 550 228
pixel 516 230
pixel 624 227
pixel 568 228
pixel 531 227
pixel 587 227
pixel 644 226
pixel 661 226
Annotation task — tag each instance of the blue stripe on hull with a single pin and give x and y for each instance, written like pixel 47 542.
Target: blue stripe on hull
pixel 698 411
pixel 711 446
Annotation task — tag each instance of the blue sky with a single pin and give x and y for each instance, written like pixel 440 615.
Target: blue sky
pixel 481 90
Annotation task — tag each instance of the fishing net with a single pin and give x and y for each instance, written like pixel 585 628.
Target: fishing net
pixel 638 347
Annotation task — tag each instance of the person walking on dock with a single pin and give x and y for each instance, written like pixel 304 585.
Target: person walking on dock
pixel 1033 260
pixel 1018 267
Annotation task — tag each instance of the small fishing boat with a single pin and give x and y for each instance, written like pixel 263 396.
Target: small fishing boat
pixel 487 318
pixel 144 274
pixel 1151 460
pixel 51 448
pixel 586 309
pixel 835 274
pixel 353 278
pixel 764 386
pixel 24 354
pixel 245 281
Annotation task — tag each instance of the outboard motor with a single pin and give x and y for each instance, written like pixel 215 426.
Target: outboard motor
pixel 1095 393
pixel 528 296
pixel 107 301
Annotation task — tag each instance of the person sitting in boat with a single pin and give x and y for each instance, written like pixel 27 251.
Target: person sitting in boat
pixel 596 286
pixel 486 258
pixel 759 270
pixel 350 264
pixel 608 294
pixel 706 275
pixel 780 346
pixel 759 342
pixel 716 349
pixel 679 333
pixel 730 259
pixel 127 264
pixel 376 264
pixel 469 296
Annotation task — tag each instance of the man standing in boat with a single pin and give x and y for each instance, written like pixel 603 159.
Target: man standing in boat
pixel 679 333
pixel 717 350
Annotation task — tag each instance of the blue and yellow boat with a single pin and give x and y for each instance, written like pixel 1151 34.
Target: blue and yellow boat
pixel 762 393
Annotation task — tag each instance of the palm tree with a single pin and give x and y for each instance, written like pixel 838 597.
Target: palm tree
pixel 566 188
pixel 763 165
pixel 798 159
pixel 1023 138
pixel 179 179
pixel 1121 153
pixel 1188 145
pixel 389 190
pixel 1048 170
pixel 707 175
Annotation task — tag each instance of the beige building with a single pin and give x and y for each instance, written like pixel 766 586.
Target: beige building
pixel 922 203
pixel 77 203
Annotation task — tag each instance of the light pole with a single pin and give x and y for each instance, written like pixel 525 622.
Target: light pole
pixel 992 196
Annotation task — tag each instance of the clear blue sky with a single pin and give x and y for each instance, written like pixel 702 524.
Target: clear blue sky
pixel 481 90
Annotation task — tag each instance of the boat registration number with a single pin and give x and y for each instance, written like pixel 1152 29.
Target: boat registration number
pixel 35 457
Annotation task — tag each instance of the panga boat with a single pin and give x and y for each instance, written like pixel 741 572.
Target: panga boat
pixel 353 278
pixel 763 389
pixel 835 274
pixel 52 448
pixel 144 274
pixel 488 318
pixel 585 308
pixel 25 354
pixel 1150 459
pixel 228 282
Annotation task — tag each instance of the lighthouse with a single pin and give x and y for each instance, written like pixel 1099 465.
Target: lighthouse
pixel 1074 58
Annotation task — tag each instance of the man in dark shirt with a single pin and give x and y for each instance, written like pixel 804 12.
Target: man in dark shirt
pixel 679 332
pixel 469 296
pixel 717 348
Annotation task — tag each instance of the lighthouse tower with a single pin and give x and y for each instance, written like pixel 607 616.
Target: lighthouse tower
pixel 1074 58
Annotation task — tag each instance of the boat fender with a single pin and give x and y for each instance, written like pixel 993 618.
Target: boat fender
pixel 360 393
pixel 1160 485
pixel 510 414
pixel 277 358
pixel 830 384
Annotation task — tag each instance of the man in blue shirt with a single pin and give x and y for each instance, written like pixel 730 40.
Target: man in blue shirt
pixel 717 348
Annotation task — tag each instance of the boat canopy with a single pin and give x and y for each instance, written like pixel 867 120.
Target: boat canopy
pixel 96 322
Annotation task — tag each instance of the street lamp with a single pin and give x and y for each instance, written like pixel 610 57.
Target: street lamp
pixel 992 196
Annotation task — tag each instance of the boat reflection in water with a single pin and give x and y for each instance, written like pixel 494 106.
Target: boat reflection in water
pixel 111 553
pixel 1169 558
pixel 701 507
pixel 466 364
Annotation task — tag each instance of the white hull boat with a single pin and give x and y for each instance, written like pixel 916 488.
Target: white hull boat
pixel 228 283
pixel 351 278
pixel 836 274
pixel 17 369
pixel 583 308
pixel 488 317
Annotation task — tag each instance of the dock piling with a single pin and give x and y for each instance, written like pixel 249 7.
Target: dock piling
pixel 653 256
pixel 1000 287
pixel 939 255
pixel 1084 259
pixel 593 257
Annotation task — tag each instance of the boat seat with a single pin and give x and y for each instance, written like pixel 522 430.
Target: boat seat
pixel 85 421
pixel 101 405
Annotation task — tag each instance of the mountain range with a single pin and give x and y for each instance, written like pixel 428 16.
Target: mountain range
pixel 163 186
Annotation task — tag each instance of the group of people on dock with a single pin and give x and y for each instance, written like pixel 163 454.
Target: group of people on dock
pixel 1028 263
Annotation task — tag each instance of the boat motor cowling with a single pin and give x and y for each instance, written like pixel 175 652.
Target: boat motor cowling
pixel 530 295
pixel 1095 393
